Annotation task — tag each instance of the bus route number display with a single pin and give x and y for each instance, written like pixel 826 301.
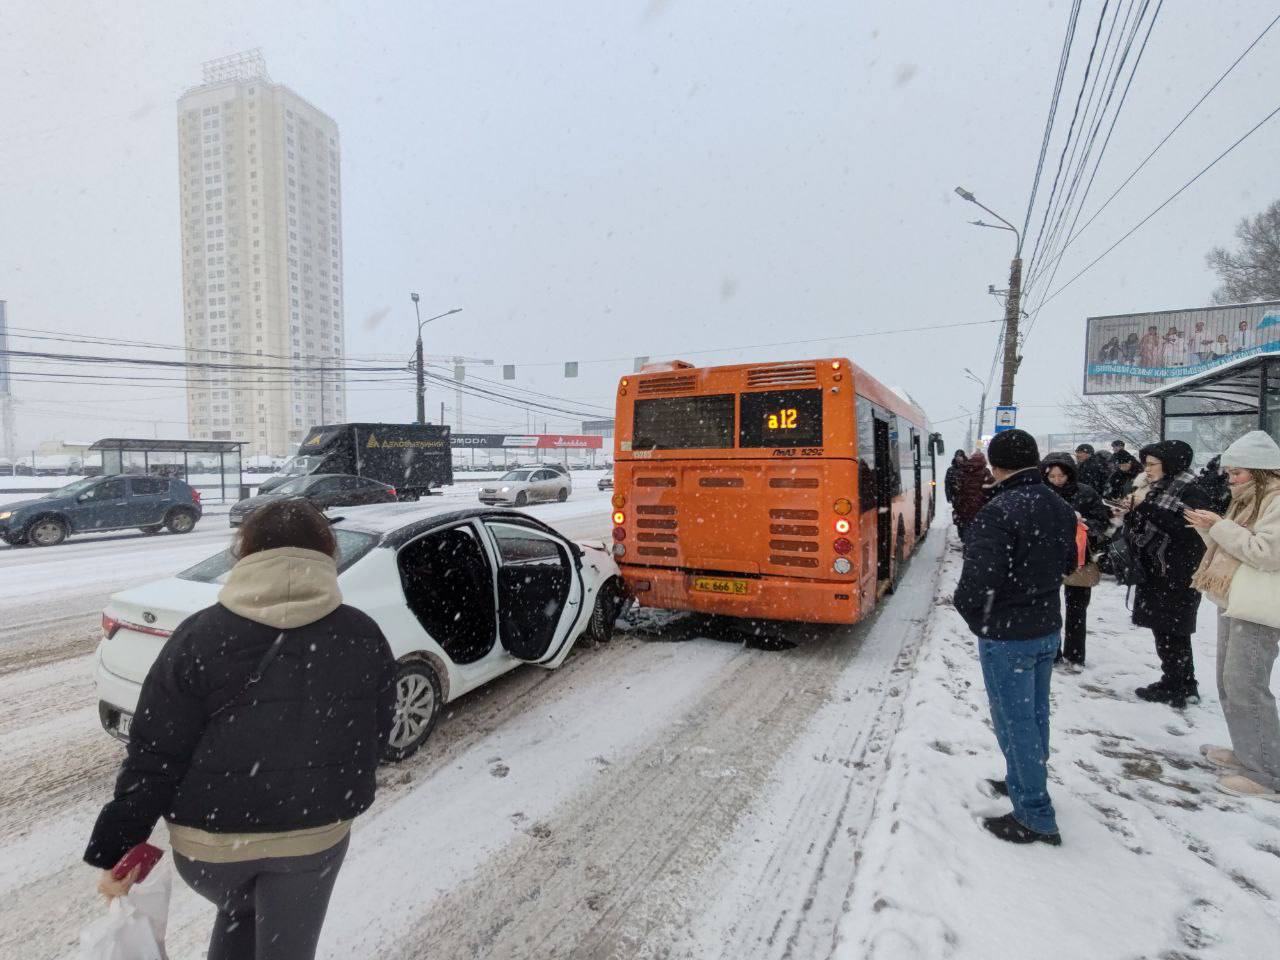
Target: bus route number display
pixel 781 418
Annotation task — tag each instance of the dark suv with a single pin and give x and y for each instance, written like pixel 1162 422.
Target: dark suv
pixel 101 503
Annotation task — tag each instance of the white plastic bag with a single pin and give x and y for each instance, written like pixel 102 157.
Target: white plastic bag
pixel 134 926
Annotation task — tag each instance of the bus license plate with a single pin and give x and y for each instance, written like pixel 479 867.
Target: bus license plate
pixel 737 588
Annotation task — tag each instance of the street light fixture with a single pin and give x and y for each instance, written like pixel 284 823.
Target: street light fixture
pixel 422 385
pixel 1012 303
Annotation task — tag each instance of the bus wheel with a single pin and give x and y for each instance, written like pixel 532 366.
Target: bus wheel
pixel 899 561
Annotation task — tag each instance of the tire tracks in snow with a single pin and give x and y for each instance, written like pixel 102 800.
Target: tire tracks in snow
pixel 634 866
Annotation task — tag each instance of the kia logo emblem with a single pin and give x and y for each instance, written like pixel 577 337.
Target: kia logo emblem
pixel 149 617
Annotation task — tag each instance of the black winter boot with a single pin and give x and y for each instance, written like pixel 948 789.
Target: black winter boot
pixel 1009 829
pixel 1158 692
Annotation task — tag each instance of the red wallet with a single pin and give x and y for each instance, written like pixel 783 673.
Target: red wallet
pixel 144 856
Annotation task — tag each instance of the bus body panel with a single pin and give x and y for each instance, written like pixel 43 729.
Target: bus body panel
pixel 749 530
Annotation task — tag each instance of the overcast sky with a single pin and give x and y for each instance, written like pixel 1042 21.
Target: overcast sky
pixel 593 180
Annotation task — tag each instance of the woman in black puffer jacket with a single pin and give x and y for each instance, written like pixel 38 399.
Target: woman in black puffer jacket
pixel 259 780
pixel 1059 471
pixel 1169 551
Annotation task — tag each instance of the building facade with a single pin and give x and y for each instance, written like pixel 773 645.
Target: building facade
pixel 261 259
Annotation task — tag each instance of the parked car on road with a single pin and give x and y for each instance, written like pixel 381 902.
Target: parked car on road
pixel 325 490
pixel 519 487
pixel 462 597
pixel 98 504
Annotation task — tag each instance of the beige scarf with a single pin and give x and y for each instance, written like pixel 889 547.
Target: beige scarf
pixel 1213 576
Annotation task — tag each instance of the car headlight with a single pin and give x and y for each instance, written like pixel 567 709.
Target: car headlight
pixel 5 515
pixel 506 489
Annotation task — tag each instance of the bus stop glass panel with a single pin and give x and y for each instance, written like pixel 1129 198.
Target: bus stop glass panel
pixel 1209 434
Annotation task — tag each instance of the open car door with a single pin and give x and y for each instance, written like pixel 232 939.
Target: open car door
pixel 540 591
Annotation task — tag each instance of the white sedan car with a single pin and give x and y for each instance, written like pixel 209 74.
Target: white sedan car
pixel 518 487
pixel 462 598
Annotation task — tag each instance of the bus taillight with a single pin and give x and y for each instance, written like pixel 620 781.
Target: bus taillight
pixel 619 519
pixel 843 507
pixel 842 565
pixel 840 546
pixel 842 525
pixel 619 501
pixel 620 534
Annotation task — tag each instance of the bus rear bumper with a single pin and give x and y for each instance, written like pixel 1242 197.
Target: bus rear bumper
pixel 767 598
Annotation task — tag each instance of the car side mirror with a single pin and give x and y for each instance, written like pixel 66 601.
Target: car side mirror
pixel 84 496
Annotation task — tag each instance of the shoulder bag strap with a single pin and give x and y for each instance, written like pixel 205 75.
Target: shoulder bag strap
pixel 254 676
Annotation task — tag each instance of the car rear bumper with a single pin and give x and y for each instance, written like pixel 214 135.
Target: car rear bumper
pixel 767 598
pixel 116 695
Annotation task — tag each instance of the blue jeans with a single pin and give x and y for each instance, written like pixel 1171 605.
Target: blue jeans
pixel 1017 674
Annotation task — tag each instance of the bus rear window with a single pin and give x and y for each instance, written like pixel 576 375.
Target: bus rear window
pixel 782 418
pixel 684 423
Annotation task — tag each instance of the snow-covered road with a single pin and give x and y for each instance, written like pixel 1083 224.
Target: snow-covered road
pixel 640 801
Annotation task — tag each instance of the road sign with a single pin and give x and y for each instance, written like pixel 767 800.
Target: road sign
pixel 1006 418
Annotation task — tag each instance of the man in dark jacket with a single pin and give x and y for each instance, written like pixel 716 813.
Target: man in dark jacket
pixel 1017 551
pixel 951 482
pixel 1125 470
pixel 1091 469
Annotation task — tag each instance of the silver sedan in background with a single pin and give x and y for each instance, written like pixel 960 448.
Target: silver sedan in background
pixel 519 487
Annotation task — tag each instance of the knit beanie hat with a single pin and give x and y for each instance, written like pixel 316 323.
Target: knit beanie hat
pixel 1254 451
pixel 1013 450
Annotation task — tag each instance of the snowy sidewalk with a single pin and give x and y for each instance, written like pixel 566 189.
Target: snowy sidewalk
pixel 1155 863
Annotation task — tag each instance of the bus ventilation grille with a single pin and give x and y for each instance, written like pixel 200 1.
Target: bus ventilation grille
pixel 678 384
pixel 782 376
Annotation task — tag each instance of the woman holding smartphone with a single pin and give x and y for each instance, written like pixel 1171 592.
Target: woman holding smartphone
pixel 1240 573
pixel 257 734
pixel 1169 552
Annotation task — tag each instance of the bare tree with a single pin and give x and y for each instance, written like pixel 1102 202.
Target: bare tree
pixel 1128 417
pixel 1251 271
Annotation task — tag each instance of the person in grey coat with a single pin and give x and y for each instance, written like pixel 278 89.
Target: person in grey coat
pixel 1240 573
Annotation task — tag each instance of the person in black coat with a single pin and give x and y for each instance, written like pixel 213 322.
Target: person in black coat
pixel 1017 550
pixel 1169 551
pixel 1125 470
pixel 1059 471
pixel 951 482
pixel 1091 469
pixel 257 734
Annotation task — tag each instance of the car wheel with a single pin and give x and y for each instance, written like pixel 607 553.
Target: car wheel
pixel 153 529
pixel 563 495
pixel 417 709
pixel 47 532
pixel 180 521
pixel 522 499
pixel 604 615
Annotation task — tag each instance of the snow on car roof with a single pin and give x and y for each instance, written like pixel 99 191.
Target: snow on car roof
pixel 407 520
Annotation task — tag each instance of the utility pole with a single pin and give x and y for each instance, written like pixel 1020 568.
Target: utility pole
pixel 1012 303
pixel 418 360
pixel 422 383
pixel 982 402
pixel 1012 313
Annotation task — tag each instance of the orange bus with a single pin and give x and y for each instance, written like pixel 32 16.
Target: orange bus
pixel 781 491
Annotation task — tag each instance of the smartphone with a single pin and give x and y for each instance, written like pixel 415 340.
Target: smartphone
pixel 144 856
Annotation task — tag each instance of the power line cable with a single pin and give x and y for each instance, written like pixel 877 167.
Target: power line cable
pixel 1084 82
pixel 1165 139
pixel 1177 193
pixel 1063 58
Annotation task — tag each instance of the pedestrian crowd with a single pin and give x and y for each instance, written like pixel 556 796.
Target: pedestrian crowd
pixel 1038 536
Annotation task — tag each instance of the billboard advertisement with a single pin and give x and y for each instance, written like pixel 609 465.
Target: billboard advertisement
pixel 1137 352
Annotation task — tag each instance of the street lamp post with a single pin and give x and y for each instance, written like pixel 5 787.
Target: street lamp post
pixel 421 368
pixel 1012 308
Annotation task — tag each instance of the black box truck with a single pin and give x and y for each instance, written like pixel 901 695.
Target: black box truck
pixel 412 457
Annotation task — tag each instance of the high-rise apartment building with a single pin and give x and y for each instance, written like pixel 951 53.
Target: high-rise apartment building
pixel 261 259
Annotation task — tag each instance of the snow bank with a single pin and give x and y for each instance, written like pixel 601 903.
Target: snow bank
pixel 1154 862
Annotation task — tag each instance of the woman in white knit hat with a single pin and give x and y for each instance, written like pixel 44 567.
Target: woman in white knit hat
pixel 1241 574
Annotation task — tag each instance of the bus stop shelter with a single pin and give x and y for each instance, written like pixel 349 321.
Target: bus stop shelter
pixel 1213 408
pixel 211 466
